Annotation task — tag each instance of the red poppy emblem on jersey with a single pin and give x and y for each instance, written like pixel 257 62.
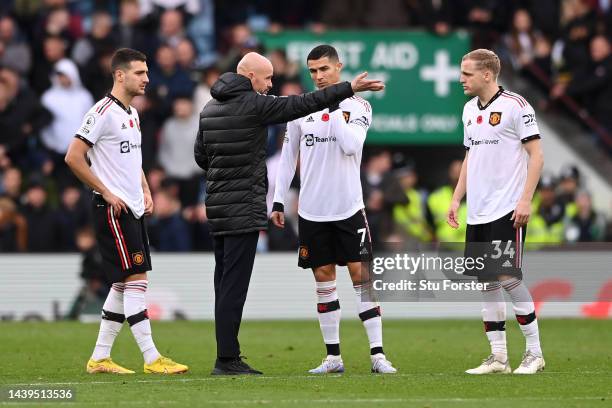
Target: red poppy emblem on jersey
pixel 131 123
pixel 479 119
pixel 325 117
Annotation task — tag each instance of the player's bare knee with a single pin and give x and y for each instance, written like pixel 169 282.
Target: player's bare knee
pixel 325 273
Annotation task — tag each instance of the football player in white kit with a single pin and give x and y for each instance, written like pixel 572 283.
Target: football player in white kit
pixel 500 172
pixel 333 229
pixel 106 155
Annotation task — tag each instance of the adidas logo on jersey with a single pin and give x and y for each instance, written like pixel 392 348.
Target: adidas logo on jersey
pixel 507 264
pixel 123 127
pixel 310 119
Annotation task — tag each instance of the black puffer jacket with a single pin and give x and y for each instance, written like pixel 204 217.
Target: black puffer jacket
pixel 231 147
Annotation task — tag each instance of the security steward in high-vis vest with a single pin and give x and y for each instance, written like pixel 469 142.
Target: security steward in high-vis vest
pixel 546 223
pixel 437 204
pixel 412 217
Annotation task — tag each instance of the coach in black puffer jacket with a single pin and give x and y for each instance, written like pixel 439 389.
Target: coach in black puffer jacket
pixel 231 147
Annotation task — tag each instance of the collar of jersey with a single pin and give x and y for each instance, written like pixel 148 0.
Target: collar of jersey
pixel 122 106
pixel 499 92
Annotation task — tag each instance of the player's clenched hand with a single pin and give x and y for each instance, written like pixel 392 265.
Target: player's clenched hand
pixel 521 214
pixel 278 219
pixel 148 202
pixel 451 216
pixel 360 83
pixel 115 202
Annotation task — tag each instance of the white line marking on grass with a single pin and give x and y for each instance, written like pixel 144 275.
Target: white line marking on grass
pixel 329 401
pixel 126 379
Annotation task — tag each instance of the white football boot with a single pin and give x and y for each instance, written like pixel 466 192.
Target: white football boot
pixel 381 365
pixel 531 364
pixel 491 365
pixel 331 364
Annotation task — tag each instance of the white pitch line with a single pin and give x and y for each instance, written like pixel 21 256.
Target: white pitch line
pixel 283 378
pixel 326 401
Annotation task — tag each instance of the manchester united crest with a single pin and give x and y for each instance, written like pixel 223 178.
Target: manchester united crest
pixel 304 252
pixel 138 258
pixel 495 118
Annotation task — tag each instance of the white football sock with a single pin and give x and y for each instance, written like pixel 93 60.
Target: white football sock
pixel 111 323
pixel 328 311
pixel 369 313
pixel 524 309
pixel 136 313
pixel 494 318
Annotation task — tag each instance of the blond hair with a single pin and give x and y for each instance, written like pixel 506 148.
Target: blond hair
pixel 485 60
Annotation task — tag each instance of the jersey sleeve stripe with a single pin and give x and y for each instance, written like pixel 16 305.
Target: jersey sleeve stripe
pixel 106 108
pixel 530 138
pixel 103 104
pixel 505 95
pixel 87 142
pixel 518 96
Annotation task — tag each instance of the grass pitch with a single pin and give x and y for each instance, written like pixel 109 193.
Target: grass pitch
pixel 431 356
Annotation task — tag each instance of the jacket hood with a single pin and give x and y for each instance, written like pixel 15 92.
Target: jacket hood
pixel 230 85
pixel 68 68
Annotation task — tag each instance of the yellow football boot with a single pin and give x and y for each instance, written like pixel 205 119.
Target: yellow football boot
pixel 106 365
pixel 163 365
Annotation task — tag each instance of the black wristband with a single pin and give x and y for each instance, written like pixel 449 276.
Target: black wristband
pixel 278 207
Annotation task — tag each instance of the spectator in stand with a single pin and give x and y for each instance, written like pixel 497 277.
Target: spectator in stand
pixel 13 228
pixel 21 118
pixel 382 192
pixel 190 7
pixel 569 183
pixel 202 95
pixel 55 19
pixel 72 215
pixel 171 28
pixel 150 123
pixel 10 186
pixel 66 91
pixel 578 22
pixel 284 71
pixel 99 39
pixel 487 20
pixel 198 227
pixel 97 75
pixel 53 50
pixel 436 15
pixel 594 86
pixel 176 149
pixel 521 40
pixel 95 285
pixel 156 176
pixel 167 80
pixel 44 230
pixel 14 52
pixel 186 58
pixel 130 28
pixel 587 225
pixel 171 232
pixel 241 41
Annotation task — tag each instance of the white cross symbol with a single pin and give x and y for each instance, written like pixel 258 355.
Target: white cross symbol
pixel 441 73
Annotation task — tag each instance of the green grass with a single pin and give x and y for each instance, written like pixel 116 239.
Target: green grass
pixel 430 354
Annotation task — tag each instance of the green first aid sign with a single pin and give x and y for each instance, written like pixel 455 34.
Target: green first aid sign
pixel 423 100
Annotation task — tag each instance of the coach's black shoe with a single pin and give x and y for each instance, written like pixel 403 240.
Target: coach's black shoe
pixel 233 367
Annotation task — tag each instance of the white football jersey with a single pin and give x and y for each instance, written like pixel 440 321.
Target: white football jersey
pixel 497 162
pixel 329 147
pixel 113 133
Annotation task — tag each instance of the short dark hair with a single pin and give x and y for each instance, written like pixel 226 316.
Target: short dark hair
pixel 321 51
pixel 124 56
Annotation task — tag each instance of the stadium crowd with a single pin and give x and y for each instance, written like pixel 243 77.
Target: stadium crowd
pixel 55 63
